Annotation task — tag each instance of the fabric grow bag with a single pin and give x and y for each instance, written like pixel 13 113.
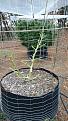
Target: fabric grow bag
pixel 22 108
pixel 41 53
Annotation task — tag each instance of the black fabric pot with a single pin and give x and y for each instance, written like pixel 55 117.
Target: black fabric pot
pixel 41 53
pixel 22 108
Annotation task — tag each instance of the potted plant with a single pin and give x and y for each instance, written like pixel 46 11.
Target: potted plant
pixel 30 36
pixel 30 94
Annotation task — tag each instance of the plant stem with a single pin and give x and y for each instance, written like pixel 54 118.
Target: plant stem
pixel 33 57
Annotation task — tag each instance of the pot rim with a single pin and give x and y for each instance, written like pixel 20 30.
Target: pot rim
pixel 42 69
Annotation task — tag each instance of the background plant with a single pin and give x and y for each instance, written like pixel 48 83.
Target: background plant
pixel 29 32
pixel 42 37
pixel 2 116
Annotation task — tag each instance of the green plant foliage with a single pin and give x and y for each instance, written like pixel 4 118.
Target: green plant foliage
pixel 54 119
pixel 2 117
pixel 30 38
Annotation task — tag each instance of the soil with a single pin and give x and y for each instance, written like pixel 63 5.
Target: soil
pixel 56 62
pixel 38 84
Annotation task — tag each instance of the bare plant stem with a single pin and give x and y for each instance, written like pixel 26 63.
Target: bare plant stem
pixel 36 49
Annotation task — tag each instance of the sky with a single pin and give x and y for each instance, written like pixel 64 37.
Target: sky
pixel 23 7
pixel 20 6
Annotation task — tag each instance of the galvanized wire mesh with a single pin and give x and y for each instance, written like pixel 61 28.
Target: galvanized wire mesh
pixel 55 57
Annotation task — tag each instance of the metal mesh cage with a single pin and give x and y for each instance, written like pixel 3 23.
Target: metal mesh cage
pixel 22 108
pixel 22 36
